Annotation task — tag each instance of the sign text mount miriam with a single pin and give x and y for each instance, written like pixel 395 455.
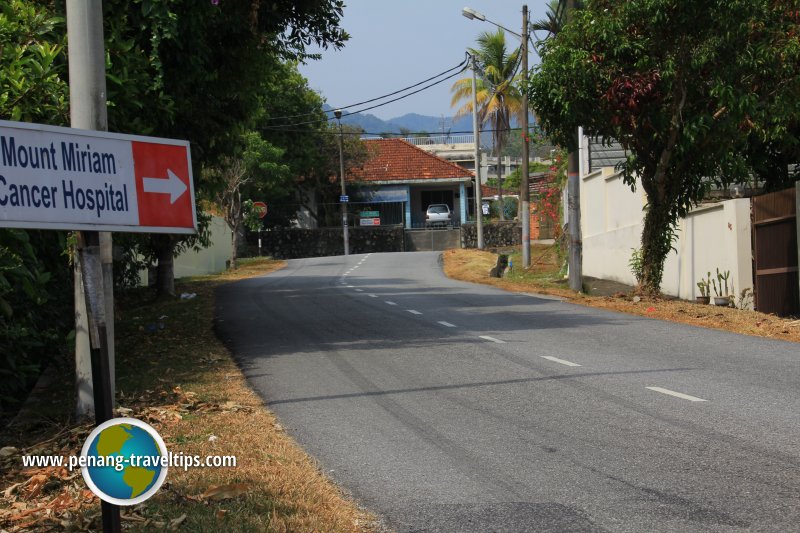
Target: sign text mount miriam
pixel 62 178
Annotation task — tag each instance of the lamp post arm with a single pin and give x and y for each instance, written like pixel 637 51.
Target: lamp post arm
pixel 512 32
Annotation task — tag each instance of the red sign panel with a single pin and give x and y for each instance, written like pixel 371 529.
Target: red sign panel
pixel 162 185
pixel 260 208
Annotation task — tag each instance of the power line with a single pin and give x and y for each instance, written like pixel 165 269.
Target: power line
pixel 282 126
pixel 407 95
pixel 460 67
pixel 422 134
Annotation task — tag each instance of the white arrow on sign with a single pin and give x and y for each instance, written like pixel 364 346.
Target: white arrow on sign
pixel 172 185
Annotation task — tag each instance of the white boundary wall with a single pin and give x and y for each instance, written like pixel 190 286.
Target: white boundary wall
pixel 211 260
pixel 711 237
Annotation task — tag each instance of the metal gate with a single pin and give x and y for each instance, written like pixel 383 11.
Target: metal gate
pixel 776 261
pixel 429 240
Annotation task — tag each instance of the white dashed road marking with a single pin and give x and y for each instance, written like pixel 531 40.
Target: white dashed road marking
pixel 677 394
pixel 560 361
pixel 447 324
pixel 413 312
pixel 390 303
pixel 373 295
pixel 359 290
pixel 492 339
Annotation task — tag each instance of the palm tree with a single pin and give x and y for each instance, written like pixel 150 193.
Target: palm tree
pixel 498 92
pixel 554 20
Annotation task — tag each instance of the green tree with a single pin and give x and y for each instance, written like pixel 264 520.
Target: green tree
pixel 34 307
pixel 552 23
pixel 498 93
pixel 32 87
pixel 196 71
pixel 255 169
pixel 322 182
pixel 310 144
pixel 683 86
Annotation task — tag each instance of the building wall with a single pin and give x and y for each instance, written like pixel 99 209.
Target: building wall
pixel 712 236
pixel 209 260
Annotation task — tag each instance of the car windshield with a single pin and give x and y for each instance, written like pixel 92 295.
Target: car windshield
pixel 438 209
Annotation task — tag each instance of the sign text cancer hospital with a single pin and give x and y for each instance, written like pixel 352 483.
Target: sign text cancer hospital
pixel 72 158
pixel 61 178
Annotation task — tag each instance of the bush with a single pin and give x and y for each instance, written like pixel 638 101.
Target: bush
pixel 35 308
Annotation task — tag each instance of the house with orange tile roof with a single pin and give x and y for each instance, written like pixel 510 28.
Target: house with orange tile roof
pixel 410 179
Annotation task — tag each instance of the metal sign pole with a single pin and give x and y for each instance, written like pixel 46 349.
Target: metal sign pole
pixel 92 275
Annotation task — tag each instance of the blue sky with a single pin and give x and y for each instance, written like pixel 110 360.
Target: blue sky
pixel 399 43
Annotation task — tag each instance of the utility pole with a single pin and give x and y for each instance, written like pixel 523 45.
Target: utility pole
pixel 476 133
pixel 524 192
pixel 88 111
pixel 346 237
pixel 574 203
pixel 87 77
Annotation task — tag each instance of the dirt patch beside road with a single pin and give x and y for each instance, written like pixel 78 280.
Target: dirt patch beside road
pixel 544 278
pixel 173 373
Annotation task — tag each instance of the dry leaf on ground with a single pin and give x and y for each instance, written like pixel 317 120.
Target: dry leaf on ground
pixel 224 492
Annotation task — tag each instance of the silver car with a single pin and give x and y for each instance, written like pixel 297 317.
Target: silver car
pixel 438 215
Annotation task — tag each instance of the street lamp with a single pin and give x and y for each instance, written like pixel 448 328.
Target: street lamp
pixel 524 191
pixel 343 200
pixel 476 15
pixel 472 14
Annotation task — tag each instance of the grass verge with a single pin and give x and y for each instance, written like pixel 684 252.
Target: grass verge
pixel 173 373
pixel 544 278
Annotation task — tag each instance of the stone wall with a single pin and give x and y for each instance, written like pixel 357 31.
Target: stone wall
pixel 495 235
pixel 290 243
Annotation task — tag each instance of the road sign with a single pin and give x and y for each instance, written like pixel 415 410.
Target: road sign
pixel 63 178
pixel 370 221
pixel 369 214
pixel 260 208
pixel 344 198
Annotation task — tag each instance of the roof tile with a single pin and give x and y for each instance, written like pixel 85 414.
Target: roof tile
pixel 399 160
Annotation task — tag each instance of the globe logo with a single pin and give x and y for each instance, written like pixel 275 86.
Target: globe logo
pixel 124 461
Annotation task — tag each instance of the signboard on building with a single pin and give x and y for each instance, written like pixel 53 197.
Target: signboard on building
pixel 370 221
pixel 63 178
pixel 384 194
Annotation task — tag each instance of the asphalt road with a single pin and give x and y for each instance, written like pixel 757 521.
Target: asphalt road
pixel 448 406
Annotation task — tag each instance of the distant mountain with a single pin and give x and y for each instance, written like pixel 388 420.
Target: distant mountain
pixel 413 122
pixel 434 125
